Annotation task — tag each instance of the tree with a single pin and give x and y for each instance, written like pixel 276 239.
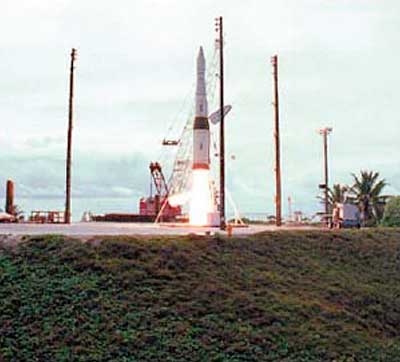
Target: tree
pixel 367 191
pixel 338 194
pixel 391 215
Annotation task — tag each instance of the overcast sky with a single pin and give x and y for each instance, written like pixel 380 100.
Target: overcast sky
pixel 339 64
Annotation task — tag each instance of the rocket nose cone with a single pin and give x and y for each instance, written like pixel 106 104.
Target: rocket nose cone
pixel 201 53
pixel 201 62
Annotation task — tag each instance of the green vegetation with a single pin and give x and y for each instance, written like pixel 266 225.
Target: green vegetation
pixel 282 296
pixel 391 216
pixel 268 221
pixel 366 193
pixel 337 194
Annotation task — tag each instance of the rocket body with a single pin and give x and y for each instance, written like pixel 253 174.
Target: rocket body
pixel 202 209
pixel 201 128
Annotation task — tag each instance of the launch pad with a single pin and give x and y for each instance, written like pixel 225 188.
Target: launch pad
pixel 189 194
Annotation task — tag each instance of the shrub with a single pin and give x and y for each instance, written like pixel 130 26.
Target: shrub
pixel 391 216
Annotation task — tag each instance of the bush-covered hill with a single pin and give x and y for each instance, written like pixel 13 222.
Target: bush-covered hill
pixel 281 296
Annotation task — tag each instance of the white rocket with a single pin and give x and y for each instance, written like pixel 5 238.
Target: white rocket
pixel 201 127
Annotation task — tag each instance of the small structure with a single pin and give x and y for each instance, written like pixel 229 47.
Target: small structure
pixel 345 216
pixel 6 217
pixel 298 216
pixel 47 217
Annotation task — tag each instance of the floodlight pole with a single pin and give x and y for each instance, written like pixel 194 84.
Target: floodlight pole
pixel 325 132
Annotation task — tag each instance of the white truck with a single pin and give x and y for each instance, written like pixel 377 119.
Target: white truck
pixel 346 216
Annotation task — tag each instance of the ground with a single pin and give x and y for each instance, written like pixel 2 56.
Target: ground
pixel 271 296
pixel 114 228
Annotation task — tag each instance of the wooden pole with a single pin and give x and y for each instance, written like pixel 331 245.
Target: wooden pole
pixel 67 216
pixel 278 193
pixel 220 28
pixel 10 208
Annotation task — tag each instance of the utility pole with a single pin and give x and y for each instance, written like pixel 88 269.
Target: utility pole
pixel 219 28
pixel 278 192
pixel 325 132
pixel 67 215
pixel 10 207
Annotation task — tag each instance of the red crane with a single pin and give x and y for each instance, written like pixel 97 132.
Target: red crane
pixel 153 204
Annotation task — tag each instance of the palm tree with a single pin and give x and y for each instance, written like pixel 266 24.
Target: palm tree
pixel 367 191
pixel 338 194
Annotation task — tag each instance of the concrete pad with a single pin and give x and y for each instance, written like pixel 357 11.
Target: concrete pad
pixel 111 228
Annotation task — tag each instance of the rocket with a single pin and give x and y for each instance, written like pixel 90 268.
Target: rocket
pixel 201 127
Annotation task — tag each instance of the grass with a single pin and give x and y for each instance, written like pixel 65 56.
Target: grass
pixel 279 296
